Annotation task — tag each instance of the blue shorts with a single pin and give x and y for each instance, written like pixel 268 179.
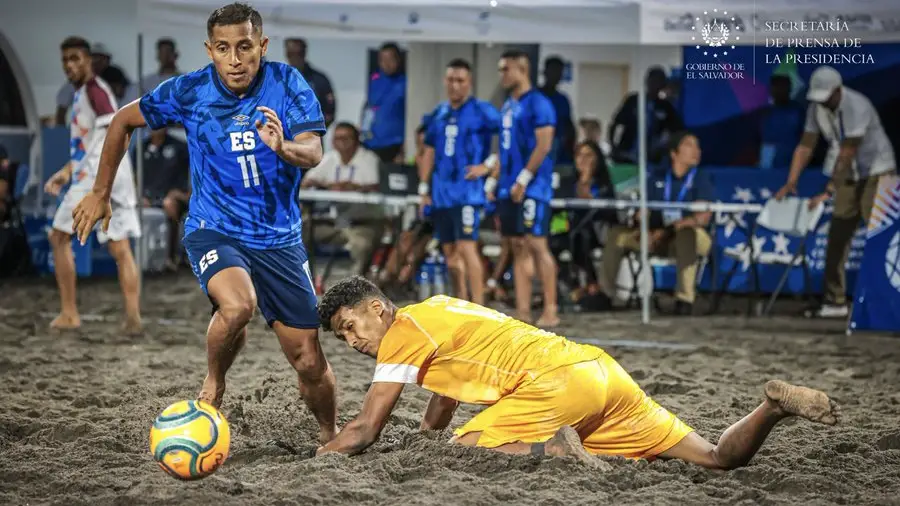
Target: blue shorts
pixel 460 223
pixel 281 278
pixel 530 217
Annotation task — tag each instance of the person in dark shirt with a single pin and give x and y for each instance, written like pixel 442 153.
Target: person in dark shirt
pixel 673 233
pixel 781 126
pixel 564 136
pixel 166 185
pixel 594 182
pixel 384 117
pixel 662 121
pixel 295 51
pixel 6 190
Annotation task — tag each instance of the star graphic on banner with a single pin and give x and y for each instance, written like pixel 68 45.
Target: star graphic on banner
pixel 765 193
pixel 733 224
pixel 744 195
pixel 781 244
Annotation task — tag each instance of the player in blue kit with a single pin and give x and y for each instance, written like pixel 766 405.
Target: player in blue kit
pixel 524 188
pixel 251 124
pixel 457 157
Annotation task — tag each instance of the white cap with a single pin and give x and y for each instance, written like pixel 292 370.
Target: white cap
pixel 822 84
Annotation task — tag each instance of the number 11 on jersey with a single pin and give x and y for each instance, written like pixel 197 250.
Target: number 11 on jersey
pixel 249 162
pixel 246 141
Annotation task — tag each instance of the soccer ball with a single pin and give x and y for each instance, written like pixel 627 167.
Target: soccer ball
pixel 190 439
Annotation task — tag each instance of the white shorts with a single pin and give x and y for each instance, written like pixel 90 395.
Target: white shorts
pixel 124 224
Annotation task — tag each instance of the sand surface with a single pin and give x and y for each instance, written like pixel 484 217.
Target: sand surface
pixel 76 408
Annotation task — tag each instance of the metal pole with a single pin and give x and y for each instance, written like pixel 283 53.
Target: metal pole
pixel 139 169
pixel 642 180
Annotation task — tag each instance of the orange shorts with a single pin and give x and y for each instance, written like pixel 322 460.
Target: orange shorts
pixel 599 399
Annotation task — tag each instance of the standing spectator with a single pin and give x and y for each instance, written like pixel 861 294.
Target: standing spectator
pixel 564 137
pixel 349 167
pixel 167 56
pixel 673 233
pixel 166 173
pixel 101 62
pixel 384 117
pixel 859 153
pixel 662 121
pixel 782 125
pixel 295 51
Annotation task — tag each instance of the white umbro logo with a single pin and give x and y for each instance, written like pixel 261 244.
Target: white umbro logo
pixel 241 120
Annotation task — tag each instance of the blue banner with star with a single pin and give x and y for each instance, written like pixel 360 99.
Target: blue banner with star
pixel 876 303
pixel 752 185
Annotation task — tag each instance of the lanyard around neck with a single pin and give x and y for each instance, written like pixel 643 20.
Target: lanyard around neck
pixel 688 182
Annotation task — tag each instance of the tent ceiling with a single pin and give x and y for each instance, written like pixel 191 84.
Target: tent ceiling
pixel 546 21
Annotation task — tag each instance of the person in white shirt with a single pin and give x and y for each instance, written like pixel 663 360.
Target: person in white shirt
pixel 859 153
pixel 93 107
pixel 348 167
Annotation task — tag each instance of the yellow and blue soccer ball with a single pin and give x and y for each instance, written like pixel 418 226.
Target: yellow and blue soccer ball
pixel 190 440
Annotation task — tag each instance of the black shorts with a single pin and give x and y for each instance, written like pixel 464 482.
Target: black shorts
pixel 387 154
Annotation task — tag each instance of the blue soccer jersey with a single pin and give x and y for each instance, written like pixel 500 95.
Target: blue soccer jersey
pixel 240 187
pixel 384 118
pixel 517 141
pixel 460 138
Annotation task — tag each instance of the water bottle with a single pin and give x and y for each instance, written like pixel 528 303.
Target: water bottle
pixel 439 280
pixel 423 280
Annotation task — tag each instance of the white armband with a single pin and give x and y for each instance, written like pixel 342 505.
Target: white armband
pixel 491 161
pixel 490 185
pixel 524 177
pixel 423 188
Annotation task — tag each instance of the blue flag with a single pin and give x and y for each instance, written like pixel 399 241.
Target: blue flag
pixel 876 305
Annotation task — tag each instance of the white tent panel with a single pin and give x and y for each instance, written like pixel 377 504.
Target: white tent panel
pixel 513 21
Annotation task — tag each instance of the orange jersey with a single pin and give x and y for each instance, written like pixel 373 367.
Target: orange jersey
pixel 468 352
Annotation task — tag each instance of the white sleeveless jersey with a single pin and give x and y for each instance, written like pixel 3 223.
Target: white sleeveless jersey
pixel 93 108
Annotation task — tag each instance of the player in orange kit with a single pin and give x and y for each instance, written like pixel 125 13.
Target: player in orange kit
pixel 547 395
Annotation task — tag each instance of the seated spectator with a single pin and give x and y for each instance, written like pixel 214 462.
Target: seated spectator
pixel 349 167
pixel 591 129
pixel 166 182
pixel 782 125
pixel 673 233
pixel 662 121
pixel 594 182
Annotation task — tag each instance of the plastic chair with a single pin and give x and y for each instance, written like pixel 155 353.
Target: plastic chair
pixel 791 217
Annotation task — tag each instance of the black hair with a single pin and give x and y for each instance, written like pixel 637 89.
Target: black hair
pixel 75 43
pixel 514 54
pixel 421 128
pixel 165 41
pixel 391 46
pixel 348 126
pixel 554 60
pixel 679 137
pixel 657 72
pixel 234 14
pixel 346 293
pixel 459 63
pixel 780 78
pixel 600 173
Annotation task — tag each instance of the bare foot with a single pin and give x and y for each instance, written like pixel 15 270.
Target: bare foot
pixel 211 393
pixel 813 405
pixel 66 322
pixel 548 320
pixel 567 443
pixel 132 326
pixel 326 435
